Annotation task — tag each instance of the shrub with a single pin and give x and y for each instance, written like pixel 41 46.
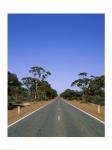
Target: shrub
pixel 96 99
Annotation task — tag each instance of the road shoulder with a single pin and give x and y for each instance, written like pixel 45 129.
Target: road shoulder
pixel 89 108
pixel 13 115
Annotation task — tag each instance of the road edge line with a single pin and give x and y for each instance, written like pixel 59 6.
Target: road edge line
pixel 86 113
pixel 29 114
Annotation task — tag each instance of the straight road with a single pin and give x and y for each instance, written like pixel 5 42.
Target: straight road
pixel 58 119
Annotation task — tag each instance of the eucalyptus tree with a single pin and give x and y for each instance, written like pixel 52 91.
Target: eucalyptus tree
pixel 82 82
pixel 40 74
pixel 27 81
pixel 71 94
pixel 83 75
pixel 97 85
pixel 92 87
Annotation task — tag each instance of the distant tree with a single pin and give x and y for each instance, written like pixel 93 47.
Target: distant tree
pixel 46 91
pixel 71 94
pixel 41 74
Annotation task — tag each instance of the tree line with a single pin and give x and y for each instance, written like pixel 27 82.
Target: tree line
pixel 30 88
pixel 92 89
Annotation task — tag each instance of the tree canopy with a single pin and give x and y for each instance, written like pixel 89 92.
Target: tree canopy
pixel 30 88
pixel 92 89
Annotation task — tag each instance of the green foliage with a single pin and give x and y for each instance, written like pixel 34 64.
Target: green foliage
pixel 92 88
pixel 71 94
pixel 31 88
pixel 82 82
pixel 14 87
pixel 96 99
pixel 40 74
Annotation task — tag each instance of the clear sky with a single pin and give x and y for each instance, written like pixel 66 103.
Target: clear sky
pixel 64 44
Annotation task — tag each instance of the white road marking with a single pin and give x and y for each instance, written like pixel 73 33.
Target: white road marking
pixel 86 113
pixel 58 117
pixel 30 113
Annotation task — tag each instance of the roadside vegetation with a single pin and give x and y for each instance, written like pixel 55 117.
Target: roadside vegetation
pixel 31 88
pixel 92 89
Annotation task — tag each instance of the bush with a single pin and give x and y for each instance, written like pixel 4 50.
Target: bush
pixel 11 99
pixel 71 94
pixel 19 99
pixel 95 99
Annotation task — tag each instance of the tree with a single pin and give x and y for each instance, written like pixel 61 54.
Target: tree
pixel 39 72
pixel 96 86
pixel 14 86
pixel 71 94
pixel 92 87
pixel 31 87
pixel 13 83
pixel 82 82
pixel 27 81
pixel 83 74
pixel 46 91
pixel 41 75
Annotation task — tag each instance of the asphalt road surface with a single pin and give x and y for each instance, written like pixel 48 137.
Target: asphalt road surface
pixel 57 119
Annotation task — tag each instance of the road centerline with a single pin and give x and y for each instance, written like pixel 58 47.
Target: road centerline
pixel 66 122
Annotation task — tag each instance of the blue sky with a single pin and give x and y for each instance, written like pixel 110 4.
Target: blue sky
pixel 64 44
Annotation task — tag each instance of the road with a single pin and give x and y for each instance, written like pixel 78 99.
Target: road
pixel 57 119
